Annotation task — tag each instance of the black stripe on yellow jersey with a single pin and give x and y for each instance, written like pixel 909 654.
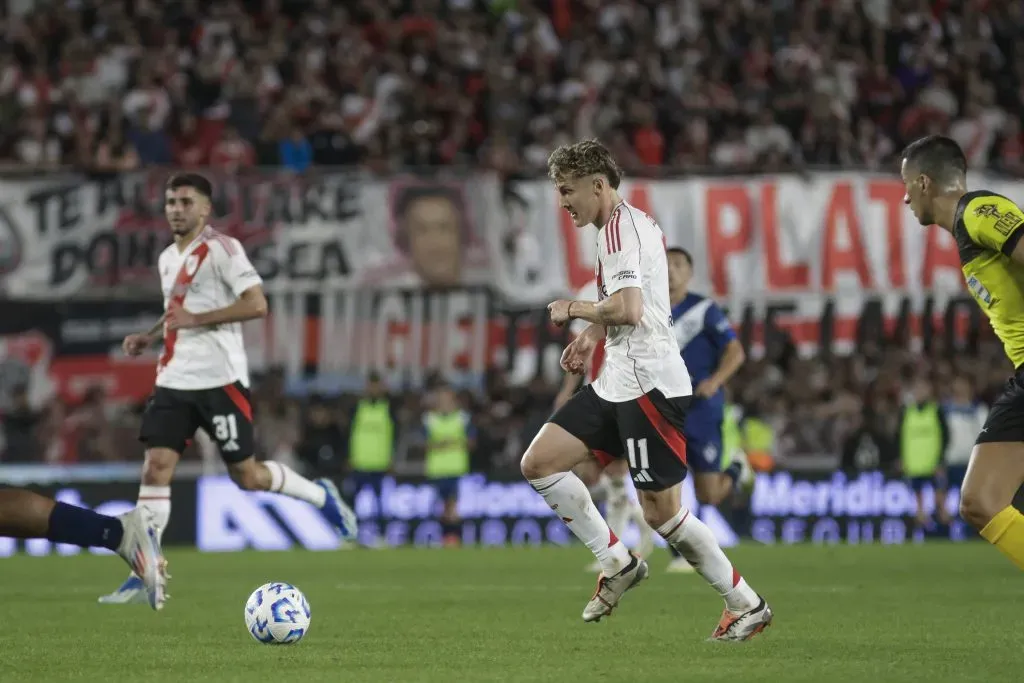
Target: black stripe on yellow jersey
pixel 987 228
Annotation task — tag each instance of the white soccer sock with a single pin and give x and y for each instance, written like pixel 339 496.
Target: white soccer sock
pixel 288 482
pixel 568 496
pixel 618 504
pixel 694 540
pixel 156 499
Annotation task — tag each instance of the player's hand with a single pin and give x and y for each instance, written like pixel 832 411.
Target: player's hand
pixel 574 358
pixel 135 344
pixel 559 311
pixel 179 318
pixel 707 388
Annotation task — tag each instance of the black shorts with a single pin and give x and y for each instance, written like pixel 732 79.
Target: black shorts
pixel 172 417
pixel 647 431
pixel 1005 420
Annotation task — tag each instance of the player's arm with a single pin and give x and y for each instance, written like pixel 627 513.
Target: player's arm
pixel 624 307
pixel 732 354
pixel 238 273
pixel 624 303
pixel 249 305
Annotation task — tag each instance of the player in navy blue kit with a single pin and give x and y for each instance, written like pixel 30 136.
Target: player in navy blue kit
pixel 712 354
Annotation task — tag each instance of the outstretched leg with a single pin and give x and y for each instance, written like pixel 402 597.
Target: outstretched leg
pixel 746 613
pixel 133 536
pixel 253 475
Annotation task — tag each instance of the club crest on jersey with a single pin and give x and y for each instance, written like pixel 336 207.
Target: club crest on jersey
pixel 980 292
pixel 987 210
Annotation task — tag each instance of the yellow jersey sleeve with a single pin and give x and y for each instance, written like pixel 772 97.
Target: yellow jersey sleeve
pixel 993 222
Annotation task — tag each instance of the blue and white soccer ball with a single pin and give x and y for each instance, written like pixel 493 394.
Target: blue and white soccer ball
pixel 277 614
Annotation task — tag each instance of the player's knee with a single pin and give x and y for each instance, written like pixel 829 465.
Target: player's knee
pixel 247 478
pixel 978 509
pixel 533 465
pixel 705 492
pixel 158 467
pixel 654 517
pixel 659 506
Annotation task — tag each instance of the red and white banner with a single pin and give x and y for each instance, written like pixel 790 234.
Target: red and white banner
pixel 752 238
pixel 66 236
pixel 815 244
pixel 827 258
pixel 766 237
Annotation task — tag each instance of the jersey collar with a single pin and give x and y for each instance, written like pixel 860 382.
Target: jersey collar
pixel 615 208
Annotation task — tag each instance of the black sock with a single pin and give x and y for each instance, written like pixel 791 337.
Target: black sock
pixel 733 472
pixel 78 526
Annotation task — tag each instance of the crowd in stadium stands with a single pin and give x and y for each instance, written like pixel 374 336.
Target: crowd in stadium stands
pixel 813 405
pixel 668 84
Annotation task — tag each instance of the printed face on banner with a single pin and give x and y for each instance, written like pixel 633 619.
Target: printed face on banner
pixel 432 231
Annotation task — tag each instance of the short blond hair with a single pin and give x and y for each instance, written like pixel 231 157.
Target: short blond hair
pixel 581 159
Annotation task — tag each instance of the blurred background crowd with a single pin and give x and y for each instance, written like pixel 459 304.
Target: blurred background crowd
pixel 818 410
pixel 668 84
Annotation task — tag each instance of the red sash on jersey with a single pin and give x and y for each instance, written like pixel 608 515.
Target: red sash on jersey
pixel 186 274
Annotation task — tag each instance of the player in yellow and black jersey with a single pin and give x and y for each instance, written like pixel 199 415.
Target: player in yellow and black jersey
pixel 988 229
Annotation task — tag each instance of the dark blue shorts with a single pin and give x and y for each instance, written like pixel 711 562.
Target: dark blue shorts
pixel 705 454
pixel 447 488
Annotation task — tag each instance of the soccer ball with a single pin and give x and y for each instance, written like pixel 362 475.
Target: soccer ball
pixel 277 614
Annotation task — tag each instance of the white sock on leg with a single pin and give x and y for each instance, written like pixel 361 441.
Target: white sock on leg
pixel 694 540
pixel 156 499
pixel 288 482
pixel 618 504
pixel 568 496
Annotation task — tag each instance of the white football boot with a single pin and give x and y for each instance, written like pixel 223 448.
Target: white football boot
pixel 736 628
pixel 611 588
pixel 140 548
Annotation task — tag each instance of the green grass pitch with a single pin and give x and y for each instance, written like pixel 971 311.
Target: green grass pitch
pixel 934 612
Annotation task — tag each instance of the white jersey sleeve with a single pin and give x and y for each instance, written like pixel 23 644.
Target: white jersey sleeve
pixel 620 253
pixel 233 265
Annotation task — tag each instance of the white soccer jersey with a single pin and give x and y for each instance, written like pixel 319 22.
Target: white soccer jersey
pixel 641 358
pixel 210 274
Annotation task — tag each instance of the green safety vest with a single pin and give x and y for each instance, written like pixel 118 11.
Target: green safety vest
pixel 373 436
pixel 451 460
pixel 732 440
pixel 921 440
pixel 759 435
